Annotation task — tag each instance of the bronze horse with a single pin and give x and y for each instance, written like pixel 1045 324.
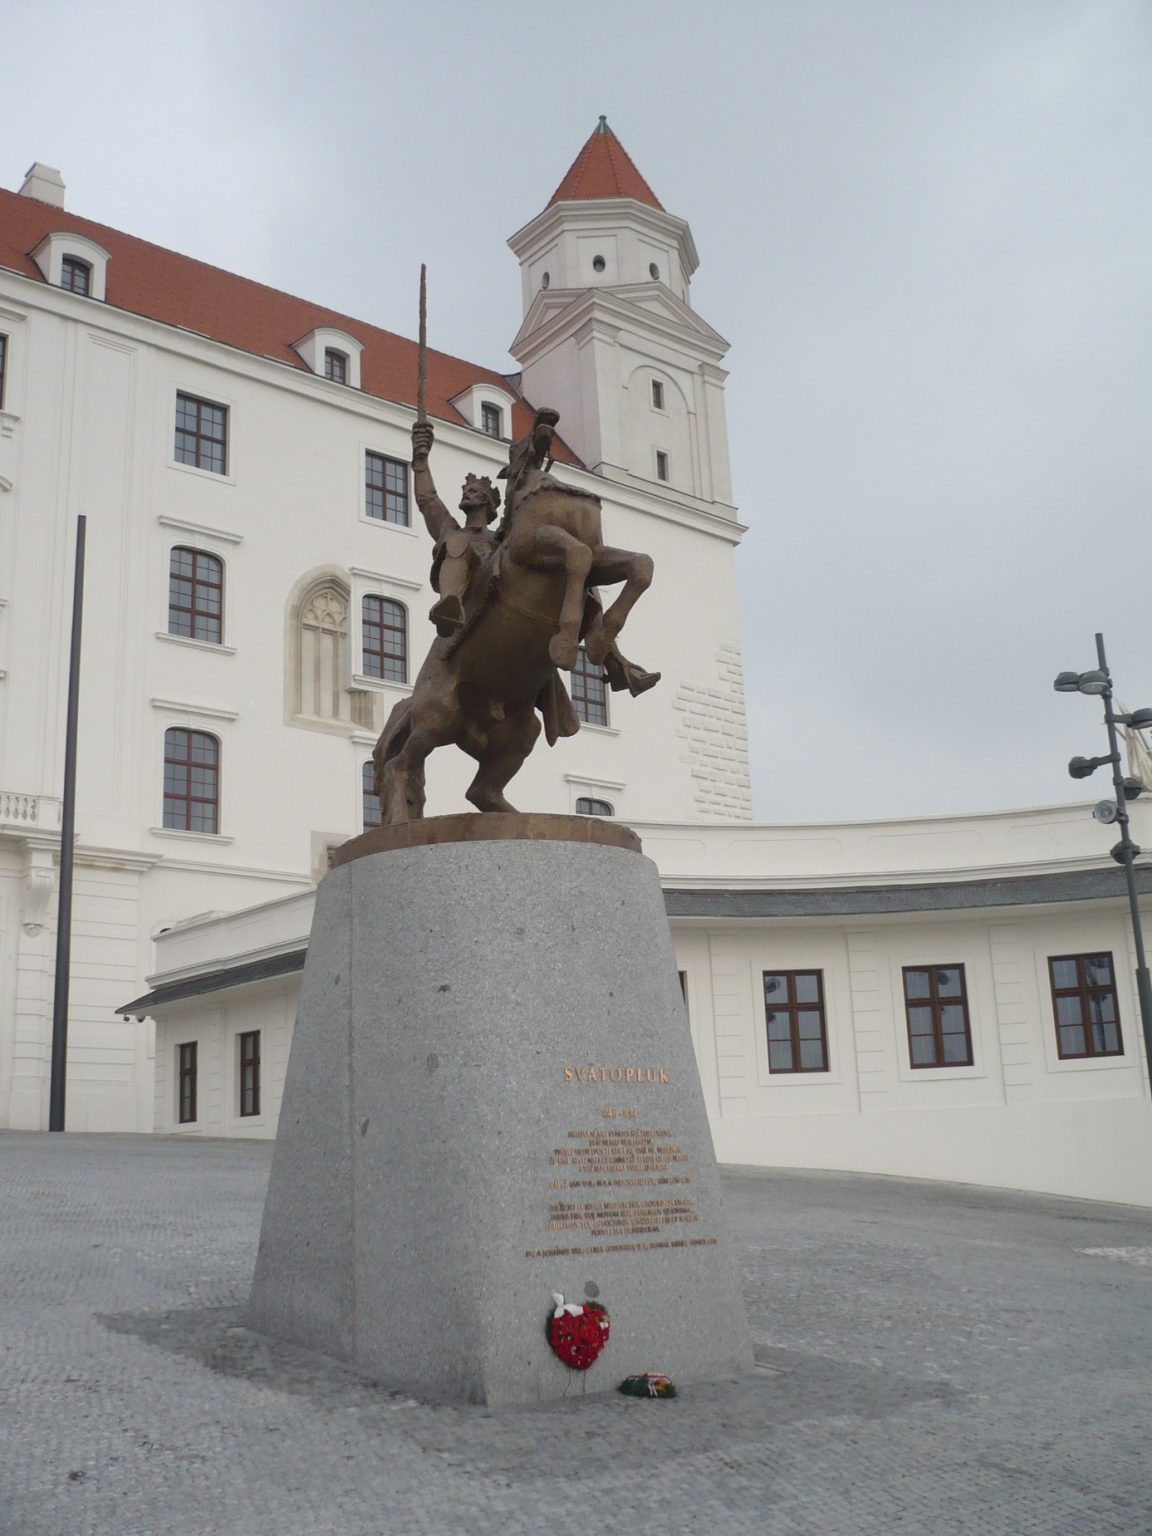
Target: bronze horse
pixel 528 607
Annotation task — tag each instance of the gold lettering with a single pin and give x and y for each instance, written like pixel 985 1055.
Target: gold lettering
pixel 663 1075
pixel 568 1074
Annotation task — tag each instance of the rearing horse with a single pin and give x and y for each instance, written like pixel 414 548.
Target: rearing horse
pixel 527 611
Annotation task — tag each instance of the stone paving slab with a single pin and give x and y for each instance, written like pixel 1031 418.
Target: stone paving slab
pixel 934 1360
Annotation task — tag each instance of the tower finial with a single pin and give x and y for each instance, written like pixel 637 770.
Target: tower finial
pixel 602 125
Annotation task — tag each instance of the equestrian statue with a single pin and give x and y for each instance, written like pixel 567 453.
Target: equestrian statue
pixel 514 607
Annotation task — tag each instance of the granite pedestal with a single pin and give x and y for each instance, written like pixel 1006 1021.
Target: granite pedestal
pixel 491 1097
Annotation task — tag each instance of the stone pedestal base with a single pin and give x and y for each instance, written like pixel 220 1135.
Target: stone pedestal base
pixel 492 1097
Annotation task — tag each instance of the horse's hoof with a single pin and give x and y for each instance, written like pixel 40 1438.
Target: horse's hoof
pixel 563 652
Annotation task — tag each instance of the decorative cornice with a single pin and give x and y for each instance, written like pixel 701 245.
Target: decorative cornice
pixel 201 530
pixel 207 711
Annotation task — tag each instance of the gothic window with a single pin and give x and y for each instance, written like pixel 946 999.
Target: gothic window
pixel 322 669
pixel 384 623
pixel 195 595
pixel 587 806
pixel 191 781
pixel 373 813
pixel 1086 1007
pixel 201 434
pixel 76 275
pixel 794 1016
pixel 936 1005
pixel 386 489
pixel 335 365
pixel 589 691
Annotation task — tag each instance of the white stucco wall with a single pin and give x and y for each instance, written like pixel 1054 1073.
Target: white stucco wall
pixel 1018 1117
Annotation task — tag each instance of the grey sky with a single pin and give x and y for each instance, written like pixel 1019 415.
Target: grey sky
pixel 924 226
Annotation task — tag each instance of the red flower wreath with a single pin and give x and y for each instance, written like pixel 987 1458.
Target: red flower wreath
pixel 578 1333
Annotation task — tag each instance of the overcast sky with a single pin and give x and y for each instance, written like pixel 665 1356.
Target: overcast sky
pixel 925 226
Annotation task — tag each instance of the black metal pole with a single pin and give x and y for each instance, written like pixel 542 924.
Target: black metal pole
pixel 1128 850
pixel 67 838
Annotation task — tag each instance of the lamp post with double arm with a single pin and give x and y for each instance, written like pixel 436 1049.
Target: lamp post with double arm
pixel 1099 682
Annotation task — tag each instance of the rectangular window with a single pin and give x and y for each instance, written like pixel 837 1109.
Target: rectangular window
pixel 75 275
pixel 936 1004
pixel 589 691
pixel 201 434
pixel 335 366
pixel 794 1016
pixel 186 1082
pixel 492 420
pixel 386 489
pixel 657 395
pixel 1085 1006
pixel 661 465
pixel 3 367
pixel 250 1072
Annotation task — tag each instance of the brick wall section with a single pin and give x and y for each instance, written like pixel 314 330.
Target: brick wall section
pixel 715 737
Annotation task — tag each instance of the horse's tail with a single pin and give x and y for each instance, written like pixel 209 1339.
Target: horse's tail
pixel 397 729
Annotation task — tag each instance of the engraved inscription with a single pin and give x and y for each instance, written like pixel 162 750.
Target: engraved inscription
pixel 594 1074
pixel 644 1165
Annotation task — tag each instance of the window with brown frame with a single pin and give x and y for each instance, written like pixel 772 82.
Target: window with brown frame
pixel 195 595
pixel 191 781
pixel 384 623
pixel 186 1082
pixel 249 1045
pixel 586 806
pixel 936 1004
pixel 589 691
pixel 373 811
pixel 1085 1005
pixel 794 1018
pixel 657 395
pixel 76 275
pixel 492 420
pixel 3 367
pixel 335 365
pixel 386 489
pixel 201 434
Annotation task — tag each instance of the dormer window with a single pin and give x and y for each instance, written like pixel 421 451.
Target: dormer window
pixel 331 354
pixel 74 263
pixel 491 420
pixel 76 275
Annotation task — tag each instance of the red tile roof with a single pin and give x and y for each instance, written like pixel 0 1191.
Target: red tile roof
pixel 146 279
pixel 604 169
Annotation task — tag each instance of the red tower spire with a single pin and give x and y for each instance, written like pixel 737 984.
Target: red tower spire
pixel 604 169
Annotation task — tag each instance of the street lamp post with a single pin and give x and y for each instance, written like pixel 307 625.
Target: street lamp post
pixel 1125 852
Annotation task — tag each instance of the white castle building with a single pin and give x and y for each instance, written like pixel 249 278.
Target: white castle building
pixel 951 997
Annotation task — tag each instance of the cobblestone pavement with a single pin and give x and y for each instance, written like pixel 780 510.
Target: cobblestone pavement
pixel 935 1361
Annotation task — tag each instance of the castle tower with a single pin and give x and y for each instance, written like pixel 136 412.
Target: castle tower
pixel 609 337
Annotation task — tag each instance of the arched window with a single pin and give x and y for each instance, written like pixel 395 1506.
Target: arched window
pixel 191 781
pixel 195 595
pixel 586 806
pixel 385 627
pixel 373 810
pixel 76 275
pixel 321 670
pixel 589 692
